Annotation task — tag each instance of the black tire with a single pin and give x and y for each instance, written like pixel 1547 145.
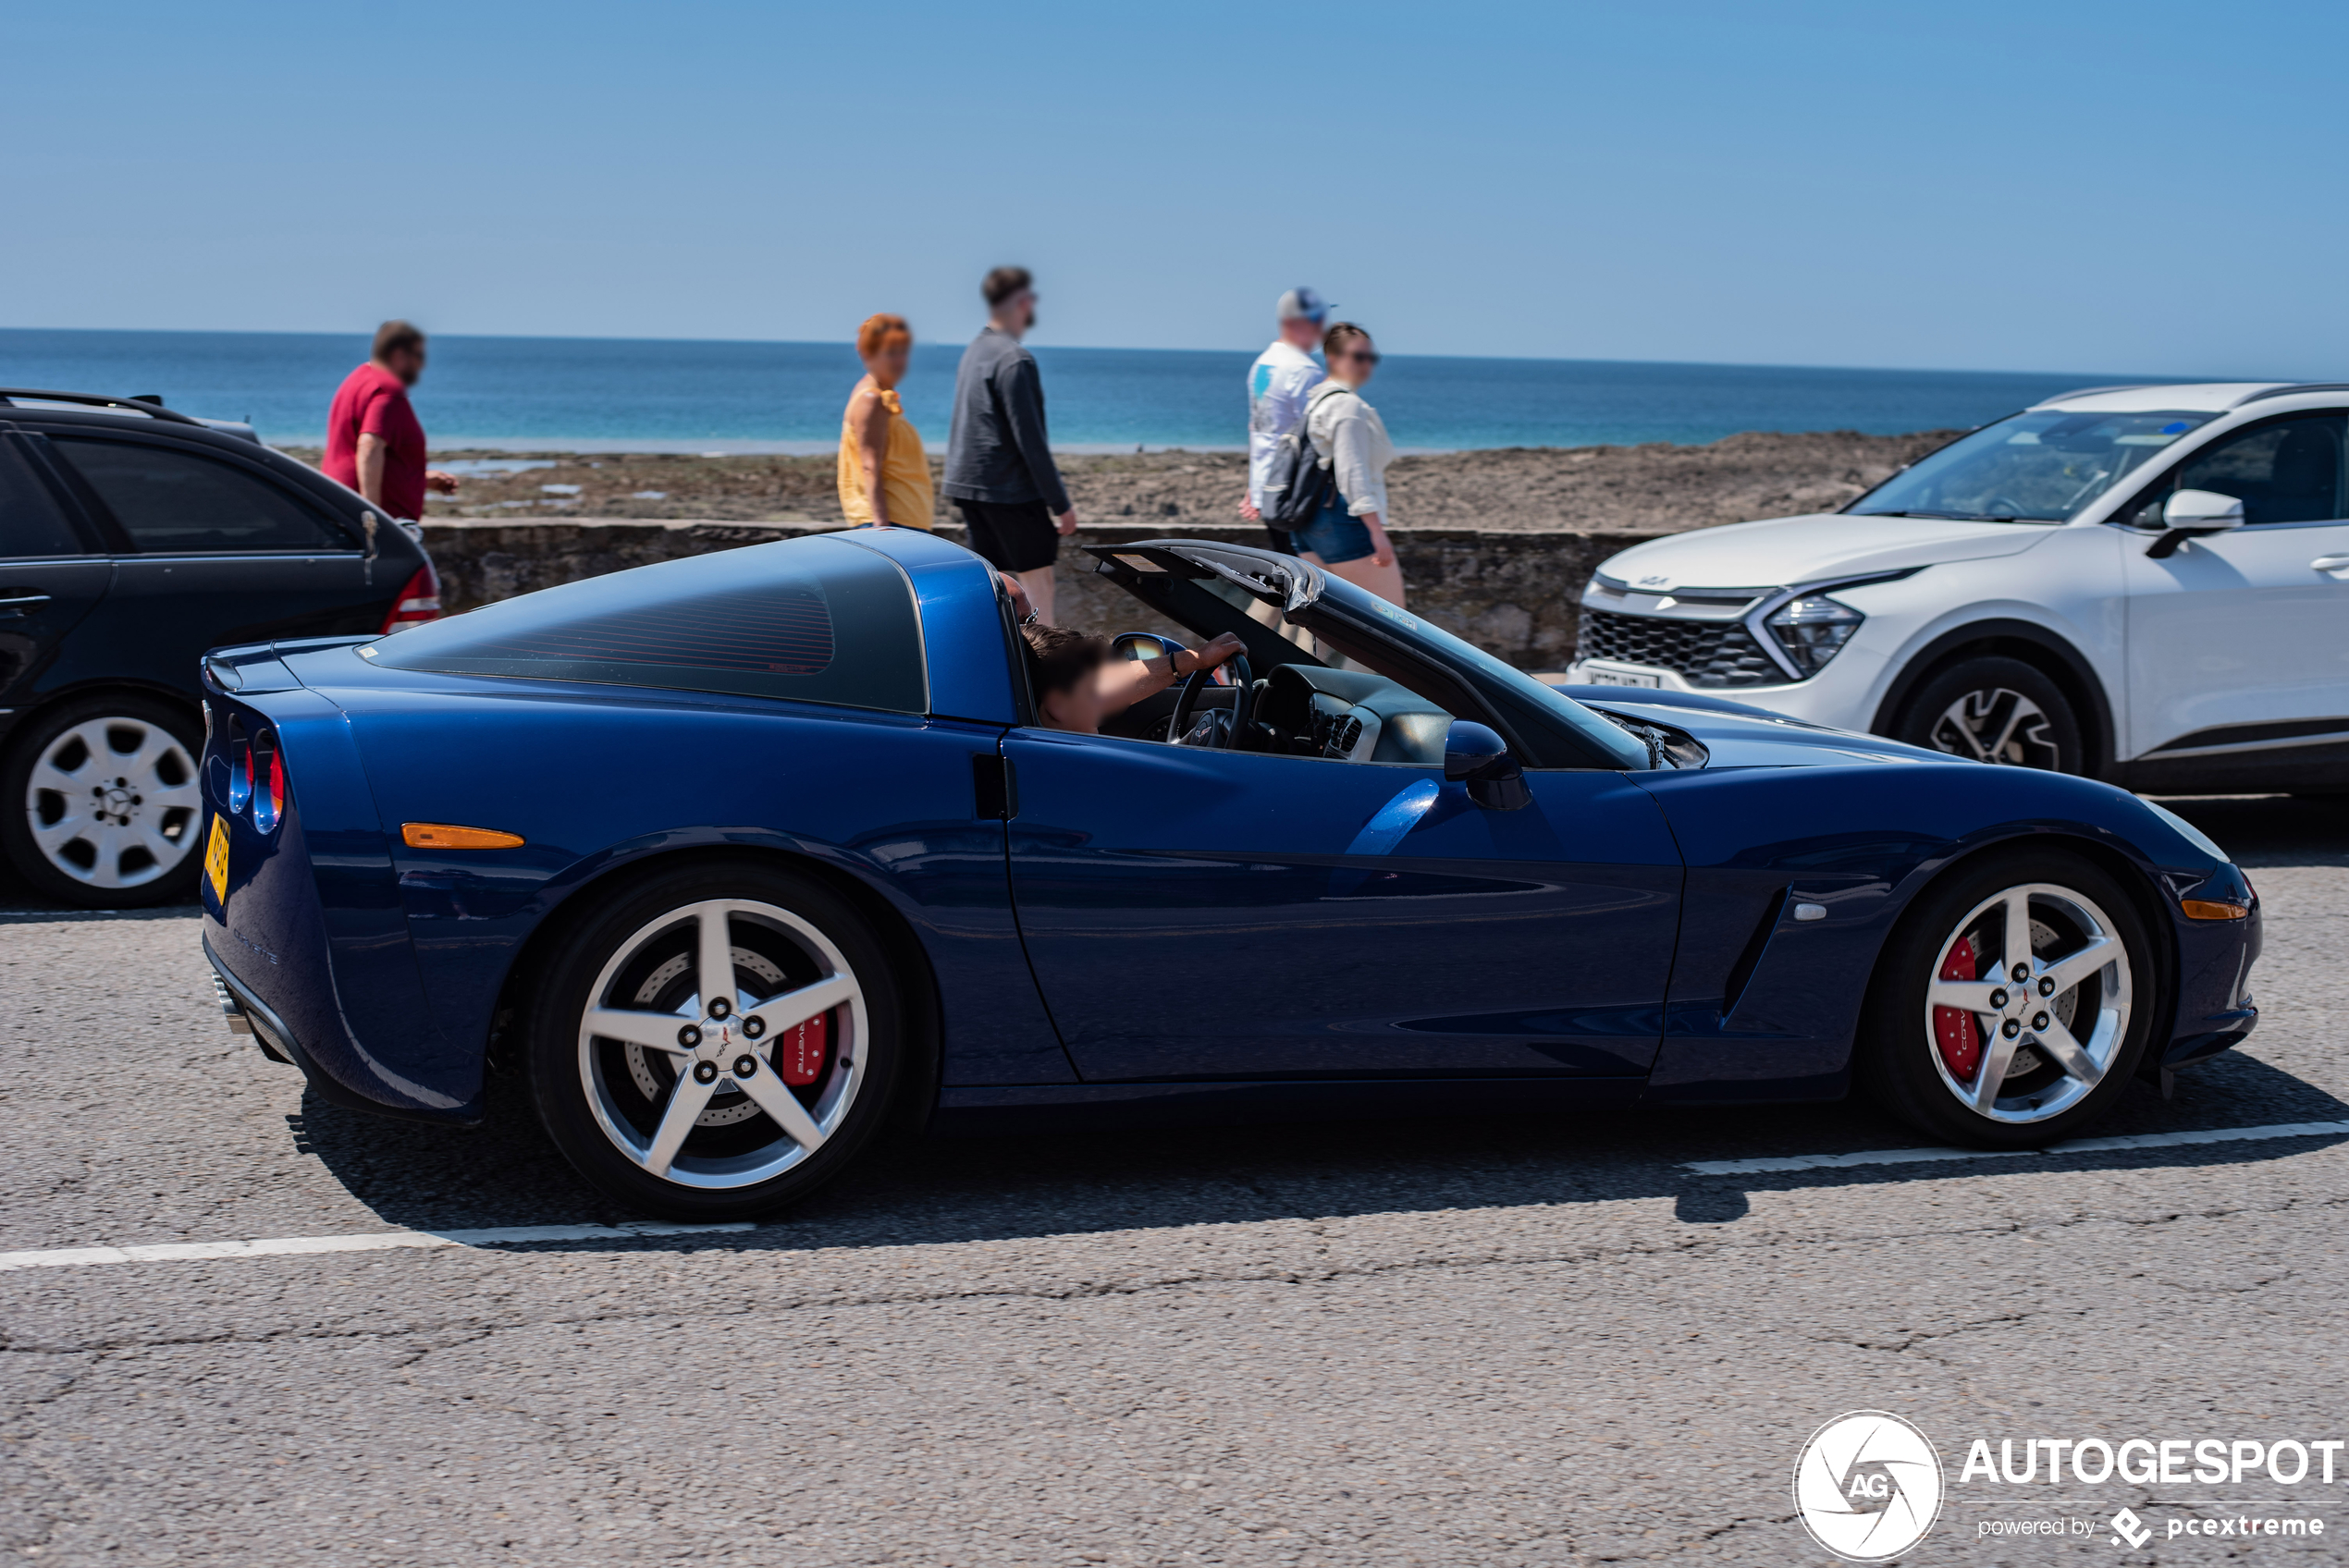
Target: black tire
pixel 1968 710
pixel 127 809
pixel 582 1086
pixel 1914 1070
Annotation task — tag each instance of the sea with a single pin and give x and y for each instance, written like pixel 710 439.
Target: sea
pixel 601 394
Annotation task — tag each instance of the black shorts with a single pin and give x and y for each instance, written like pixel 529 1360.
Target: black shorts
pixel 1013 535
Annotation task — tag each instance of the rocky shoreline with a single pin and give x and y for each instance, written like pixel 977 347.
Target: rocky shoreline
pixel 1655 487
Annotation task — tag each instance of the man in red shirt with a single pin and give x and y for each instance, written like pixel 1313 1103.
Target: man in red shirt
pixel 373 443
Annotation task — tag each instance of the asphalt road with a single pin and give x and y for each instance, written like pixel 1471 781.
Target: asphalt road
pixel 1509 1341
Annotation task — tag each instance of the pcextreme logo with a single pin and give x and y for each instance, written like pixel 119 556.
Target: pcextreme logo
pixel 1868 1485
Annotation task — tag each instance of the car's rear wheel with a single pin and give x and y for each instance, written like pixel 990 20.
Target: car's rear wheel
pixel 1998 710
pixel 717 1043
pixel 103 806
pixel 2012 1005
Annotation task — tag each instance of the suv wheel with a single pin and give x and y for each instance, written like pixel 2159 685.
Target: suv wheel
pixel 99 805
pixel 1996 710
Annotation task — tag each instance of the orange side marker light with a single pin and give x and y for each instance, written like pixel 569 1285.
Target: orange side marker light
pixel 2211 909
pixel 445 836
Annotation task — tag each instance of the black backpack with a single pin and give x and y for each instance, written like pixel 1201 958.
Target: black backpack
pixel 1297 484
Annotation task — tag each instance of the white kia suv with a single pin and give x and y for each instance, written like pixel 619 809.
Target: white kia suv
pixel 2145 583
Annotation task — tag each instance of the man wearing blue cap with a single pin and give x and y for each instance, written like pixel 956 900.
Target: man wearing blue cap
pixel 1278 386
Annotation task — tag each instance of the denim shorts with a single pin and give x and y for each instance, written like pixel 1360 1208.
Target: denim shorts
pixel 1333 535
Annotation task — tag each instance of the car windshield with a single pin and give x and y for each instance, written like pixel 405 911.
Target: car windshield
pixel 2038 467
pixel 1504 680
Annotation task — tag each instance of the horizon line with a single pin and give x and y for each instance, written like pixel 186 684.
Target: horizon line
pixel 1134 349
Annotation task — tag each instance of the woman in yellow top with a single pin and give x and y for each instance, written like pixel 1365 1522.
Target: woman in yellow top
pixel 884 477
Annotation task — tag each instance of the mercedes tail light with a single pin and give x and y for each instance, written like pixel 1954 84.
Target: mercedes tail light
pixel 269 775
pixel 418 602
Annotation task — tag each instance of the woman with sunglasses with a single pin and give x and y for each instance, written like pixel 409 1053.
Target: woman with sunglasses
pixel 1349 535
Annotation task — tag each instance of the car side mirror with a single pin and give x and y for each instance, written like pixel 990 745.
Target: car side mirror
pixel 2191 513
pixel 1141 645
pixel 1474 754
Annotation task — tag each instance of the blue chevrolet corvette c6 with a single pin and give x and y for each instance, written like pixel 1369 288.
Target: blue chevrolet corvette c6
pixel 736 859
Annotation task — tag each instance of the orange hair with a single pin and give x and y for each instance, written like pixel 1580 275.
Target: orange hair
pixel 877 330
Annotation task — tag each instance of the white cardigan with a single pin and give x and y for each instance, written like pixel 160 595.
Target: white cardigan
pixel 1347 431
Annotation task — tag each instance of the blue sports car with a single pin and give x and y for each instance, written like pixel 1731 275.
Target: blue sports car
pixel 738 859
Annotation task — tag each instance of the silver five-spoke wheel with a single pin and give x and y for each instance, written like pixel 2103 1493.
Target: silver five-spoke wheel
pixel 724 1044
pixel 2029 1003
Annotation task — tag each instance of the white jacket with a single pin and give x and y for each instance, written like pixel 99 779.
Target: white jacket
pixel 1277 384
pixel 1347 431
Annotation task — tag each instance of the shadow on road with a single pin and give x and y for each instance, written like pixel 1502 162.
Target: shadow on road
pixel 990 1189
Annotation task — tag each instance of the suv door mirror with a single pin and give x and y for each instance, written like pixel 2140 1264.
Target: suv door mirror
pixel 2205 511
pixel 2188 514
pixel 1474 754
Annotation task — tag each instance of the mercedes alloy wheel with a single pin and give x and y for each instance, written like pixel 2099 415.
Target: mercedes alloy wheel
pixel 2006 1011
pixel 106 805
pixel 732 1047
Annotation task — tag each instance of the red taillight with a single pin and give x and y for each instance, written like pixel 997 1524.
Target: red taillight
pixel 418 602
pixel 269 782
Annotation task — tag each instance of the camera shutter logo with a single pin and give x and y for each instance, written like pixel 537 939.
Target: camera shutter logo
pixel 1868 1485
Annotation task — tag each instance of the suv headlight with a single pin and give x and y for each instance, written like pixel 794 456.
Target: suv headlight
pixel 1812 630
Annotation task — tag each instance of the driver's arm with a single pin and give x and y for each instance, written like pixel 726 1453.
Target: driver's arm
pixel 1127 682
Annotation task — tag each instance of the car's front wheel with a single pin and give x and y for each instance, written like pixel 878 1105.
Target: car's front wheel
pixel 102 802
pixel 717 1043
pixel 2012 1005
pixel 1994 709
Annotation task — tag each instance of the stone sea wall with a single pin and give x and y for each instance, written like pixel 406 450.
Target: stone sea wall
pixel 1512 591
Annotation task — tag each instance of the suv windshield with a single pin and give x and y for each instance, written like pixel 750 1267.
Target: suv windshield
pixel 2039 467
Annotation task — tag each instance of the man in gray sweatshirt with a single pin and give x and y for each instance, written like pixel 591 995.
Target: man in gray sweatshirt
pixel 1000 472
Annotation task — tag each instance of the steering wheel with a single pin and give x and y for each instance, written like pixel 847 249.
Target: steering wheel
pixel 2002 506
pixel 1188 699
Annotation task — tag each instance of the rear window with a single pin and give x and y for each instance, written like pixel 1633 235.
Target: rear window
pixel 173 500
pixel 28 524
pixel 818 621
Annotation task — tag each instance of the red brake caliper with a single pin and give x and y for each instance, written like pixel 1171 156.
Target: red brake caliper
pixel 799 1054
pixel 1954 1030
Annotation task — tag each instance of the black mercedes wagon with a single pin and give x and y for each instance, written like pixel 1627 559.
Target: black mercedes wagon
pixel 132 538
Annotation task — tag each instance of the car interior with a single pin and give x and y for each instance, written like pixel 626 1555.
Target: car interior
pixel 1310 683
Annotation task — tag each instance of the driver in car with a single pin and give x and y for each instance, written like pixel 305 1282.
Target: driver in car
pixel 1076 686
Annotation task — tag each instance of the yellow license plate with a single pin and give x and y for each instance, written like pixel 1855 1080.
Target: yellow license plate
pixel 215 859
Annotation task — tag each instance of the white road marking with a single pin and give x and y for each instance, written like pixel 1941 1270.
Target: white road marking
pixel 2076 1145
pixel 379 1240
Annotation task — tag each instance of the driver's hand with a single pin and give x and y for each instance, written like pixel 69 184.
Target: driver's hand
pixel 1225 647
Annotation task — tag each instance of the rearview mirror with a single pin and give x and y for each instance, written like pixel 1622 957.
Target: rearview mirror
pixel 1477 756
pixel 2191 513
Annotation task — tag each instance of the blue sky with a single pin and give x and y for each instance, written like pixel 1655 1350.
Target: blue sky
pixel 2077 186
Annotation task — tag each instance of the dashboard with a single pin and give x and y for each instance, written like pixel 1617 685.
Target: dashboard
pixel 1347 715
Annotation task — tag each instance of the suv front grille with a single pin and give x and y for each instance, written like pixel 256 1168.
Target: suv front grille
pixel 1703 653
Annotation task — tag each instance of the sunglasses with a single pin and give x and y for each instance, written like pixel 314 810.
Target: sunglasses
pixel 1367 356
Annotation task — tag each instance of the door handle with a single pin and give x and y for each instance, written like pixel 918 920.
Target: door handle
pixel 2322 563
pixel 21 604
